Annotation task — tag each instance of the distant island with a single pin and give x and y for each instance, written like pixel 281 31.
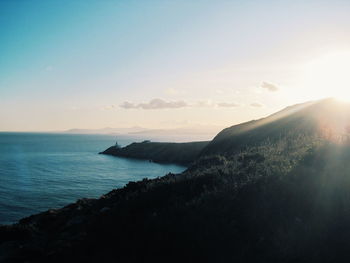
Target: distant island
pixel 180 134
pixel 268 190
pixel 106 130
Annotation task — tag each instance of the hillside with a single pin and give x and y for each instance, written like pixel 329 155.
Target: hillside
pixel 179 153
pixel 272 190
pixel 327 118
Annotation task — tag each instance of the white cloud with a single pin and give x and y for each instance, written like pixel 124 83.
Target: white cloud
pixel 128 105
pixel 155 104
pixel 256 105
pixel 204 104
pixel 228 105
pixel 162 104
pixel 269 86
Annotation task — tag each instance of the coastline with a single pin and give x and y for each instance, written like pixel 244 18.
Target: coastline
pixel 160 152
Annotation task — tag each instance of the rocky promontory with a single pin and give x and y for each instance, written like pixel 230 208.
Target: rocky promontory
pixel 161 152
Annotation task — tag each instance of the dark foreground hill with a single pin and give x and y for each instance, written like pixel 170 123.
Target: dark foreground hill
pixel 162 152
pixel 282 198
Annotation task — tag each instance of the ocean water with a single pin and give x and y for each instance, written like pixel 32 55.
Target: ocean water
pixel 42 171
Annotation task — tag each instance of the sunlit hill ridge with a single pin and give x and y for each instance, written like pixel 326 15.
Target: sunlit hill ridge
pixel 327 119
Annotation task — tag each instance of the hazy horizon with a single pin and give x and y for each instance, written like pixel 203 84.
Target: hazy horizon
pixel 163 65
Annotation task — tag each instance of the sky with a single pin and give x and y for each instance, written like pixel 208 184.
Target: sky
pixel 166 64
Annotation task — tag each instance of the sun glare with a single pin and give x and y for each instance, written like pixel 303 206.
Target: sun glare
pixel 328 76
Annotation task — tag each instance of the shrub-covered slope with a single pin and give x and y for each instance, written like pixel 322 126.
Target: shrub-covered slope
pixel 281 199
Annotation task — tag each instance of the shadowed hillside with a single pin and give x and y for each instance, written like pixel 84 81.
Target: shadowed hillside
pixel 272 190
pixel 162 152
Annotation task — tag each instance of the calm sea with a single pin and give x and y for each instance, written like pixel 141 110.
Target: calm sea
pixel 42 171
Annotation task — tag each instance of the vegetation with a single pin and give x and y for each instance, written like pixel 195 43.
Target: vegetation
pixel 281 198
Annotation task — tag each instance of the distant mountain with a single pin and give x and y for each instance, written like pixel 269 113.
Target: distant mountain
pixel 191 130
pixel 107 130
pixel 181 134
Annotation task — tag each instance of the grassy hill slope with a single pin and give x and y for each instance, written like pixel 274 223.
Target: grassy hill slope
pixel 327 118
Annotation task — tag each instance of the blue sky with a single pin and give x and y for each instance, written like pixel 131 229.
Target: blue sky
pixel 66 64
